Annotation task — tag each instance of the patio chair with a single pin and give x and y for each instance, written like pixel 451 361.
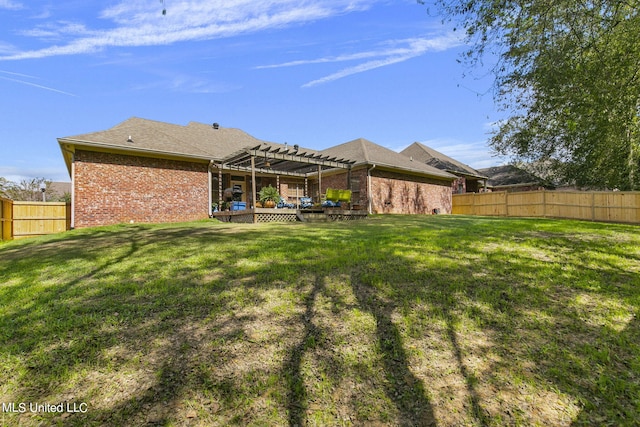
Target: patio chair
pixel 306 202
pixel 334 198
pixel 282 204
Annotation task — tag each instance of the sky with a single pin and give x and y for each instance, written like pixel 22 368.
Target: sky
pixel 316 73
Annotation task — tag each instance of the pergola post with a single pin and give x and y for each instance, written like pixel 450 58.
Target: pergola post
pixel 220 189
pixel 319 183
pixel 253 182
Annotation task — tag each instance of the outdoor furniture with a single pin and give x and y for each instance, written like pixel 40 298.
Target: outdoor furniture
pixel 306 202
pixel 282 204
pixel 334 198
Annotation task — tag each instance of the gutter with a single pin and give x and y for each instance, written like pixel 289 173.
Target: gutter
pixel 71 168
pixel 81 143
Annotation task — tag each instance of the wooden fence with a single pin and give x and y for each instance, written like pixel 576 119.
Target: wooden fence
pixel 608 206
pixel 28 219
pixel 6 218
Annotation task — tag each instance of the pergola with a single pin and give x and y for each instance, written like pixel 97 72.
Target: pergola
pixel 281 160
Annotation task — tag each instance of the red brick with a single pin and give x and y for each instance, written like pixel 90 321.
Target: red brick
pixel 116 188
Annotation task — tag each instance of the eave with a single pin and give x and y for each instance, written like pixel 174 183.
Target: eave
pixel 69 146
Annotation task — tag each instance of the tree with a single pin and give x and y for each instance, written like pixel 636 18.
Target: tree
pixel 568 74
pixel 5 185
pixel 26 190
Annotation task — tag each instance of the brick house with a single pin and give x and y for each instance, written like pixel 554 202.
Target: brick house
pixel 387 182
pixel 469 180
pixel 147 171
pixel 513 179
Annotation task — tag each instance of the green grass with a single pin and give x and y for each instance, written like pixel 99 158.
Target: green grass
pixel 398 320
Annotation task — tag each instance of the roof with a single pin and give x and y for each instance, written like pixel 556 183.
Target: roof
pixel 364 151
pixel 193 140
pixel 59 188
pixel 509 175
pixel 429 156
pixel 233 147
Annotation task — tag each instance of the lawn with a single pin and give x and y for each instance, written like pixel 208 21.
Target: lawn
pixel 398 320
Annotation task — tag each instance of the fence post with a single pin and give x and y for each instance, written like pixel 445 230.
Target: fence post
pixel 6 219
pixel 544 203
pixel 473 203
pixel 506 203
pixel 593 206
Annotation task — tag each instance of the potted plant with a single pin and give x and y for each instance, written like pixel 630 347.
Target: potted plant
pixel 269 196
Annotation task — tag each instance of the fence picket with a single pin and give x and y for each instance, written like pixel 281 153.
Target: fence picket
pixel 611 206
pixel 27 219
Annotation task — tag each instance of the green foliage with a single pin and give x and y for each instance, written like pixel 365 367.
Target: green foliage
pixel 568 72
pixel 269 193
pixel 31 190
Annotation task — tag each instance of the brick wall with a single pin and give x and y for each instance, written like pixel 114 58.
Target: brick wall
pixel 114 188
pixel 394 193
pixel 466 185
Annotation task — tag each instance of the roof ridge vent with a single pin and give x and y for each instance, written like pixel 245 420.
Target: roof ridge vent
pixel 216 126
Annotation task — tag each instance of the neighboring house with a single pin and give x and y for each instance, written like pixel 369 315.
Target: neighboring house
pixel 511 178
pixel 148 171
pixel 469 180
pixel 58 190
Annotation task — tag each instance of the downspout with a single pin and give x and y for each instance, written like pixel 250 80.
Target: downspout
pixel 369 197
pixel 73 191
pixel 210 184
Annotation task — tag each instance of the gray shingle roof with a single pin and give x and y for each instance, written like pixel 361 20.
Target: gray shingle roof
pixel 59 188
pixel 429 156
pixel 193 140
pixel 202 141
pixel 364 151
pixel 509 175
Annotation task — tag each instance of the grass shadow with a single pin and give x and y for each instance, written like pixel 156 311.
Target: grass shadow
pixel 213 324
pixel 402 387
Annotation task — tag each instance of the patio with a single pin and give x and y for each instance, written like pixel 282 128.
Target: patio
pixel 282 161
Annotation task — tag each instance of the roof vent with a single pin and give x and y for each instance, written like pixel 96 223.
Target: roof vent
pixel 215 126
pixel 130 139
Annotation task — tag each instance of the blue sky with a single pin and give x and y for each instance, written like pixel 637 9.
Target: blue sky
pixel 315 73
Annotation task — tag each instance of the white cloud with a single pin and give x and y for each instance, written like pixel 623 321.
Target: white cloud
pixel 11 73
pixel 16 174
pixel 10 5
pixel 135 23
pixel 340 58
pixel 7 49
pixel 57 30
pixel 476 154
pixel 185 83
pixel 393 52
pixel 28 83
